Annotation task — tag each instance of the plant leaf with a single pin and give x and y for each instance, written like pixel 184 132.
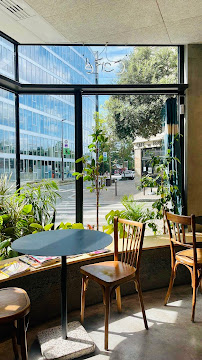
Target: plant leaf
pixel 48 227
pixel 4 244
pixel 36 226
pixel 77 226
pixel 27 208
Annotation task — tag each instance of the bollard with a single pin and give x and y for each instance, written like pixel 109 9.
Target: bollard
pixel 115 187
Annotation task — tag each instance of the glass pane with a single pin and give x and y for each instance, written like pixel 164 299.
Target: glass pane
pixel 136 129
pixel 45 123
pixel 7 134
pixel 98 64
pixel 6 58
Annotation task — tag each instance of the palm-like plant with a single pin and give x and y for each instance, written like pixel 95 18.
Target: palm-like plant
pixel 42 196
pixel 23 211
pixel 132 211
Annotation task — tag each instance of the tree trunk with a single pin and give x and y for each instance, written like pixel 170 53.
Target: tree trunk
pixel 97 186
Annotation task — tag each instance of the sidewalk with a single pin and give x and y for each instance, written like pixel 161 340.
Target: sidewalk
pixel 125 188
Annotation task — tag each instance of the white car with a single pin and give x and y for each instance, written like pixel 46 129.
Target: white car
pixel 117 176
pixel 128 174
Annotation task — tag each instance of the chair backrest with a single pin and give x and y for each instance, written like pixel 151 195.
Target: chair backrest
pixel 133 235
pixel 176 229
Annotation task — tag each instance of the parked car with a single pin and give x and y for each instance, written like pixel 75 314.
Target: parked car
pixel 128 174
pixel 116 177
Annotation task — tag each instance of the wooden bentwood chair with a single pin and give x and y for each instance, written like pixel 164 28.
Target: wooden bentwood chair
pixel 14 310
pixel 111 274
pixel 191 257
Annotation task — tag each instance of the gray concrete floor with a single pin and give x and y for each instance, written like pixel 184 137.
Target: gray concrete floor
pixel 171 333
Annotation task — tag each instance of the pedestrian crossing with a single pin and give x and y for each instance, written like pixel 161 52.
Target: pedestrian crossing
pixel 66 206
pixel 66 212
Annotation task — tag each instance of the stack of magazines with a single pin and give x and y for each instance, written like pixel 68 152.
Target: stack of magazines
pixel 25 263
pixel 97 252
pixel 12 268
pixel 38 261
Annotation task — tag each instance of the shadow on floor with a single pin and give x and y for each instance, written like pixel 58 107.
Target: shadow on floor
pixel 171 333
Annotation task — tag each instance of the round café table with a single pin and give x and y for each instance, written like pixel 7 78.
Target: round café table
pixel 62 243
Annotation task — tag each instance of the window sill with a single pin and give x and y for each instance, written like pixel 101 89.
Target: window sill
pixel 150 242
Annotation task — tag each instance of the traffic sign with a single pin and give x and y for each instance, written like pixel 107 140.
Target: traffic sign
pixel 104 156
pixel 66 151
pixel 66 144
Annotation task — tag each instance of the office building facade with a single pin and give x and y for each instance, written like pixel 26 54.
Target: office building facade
pixel 44 119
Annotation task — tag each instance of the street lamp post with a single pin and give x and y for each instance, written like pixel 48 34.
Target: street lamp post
pixel 62 152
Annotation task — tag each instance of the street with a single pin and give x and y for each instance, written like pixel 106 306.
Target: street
pixel 65 209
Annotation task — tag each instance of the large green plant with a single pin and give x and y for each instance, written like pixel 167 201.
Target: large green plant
pixel 15 217
pixel 165 182
pixel 25 212
pixel 42 196
pixel 132 211
pixel 15 220
pixel 22 211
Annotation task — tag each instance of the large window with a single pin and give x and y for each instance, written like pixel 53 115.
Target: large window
pixel 55 64
pixel 104 65
pixel 46 121
pixel 7 134
pixel 6 58
pixel 128 154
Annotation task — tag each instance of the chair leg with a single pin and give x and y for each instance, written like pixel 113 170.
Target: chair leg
pixel 22 338
pixel 200 280
pixel 14 341
pixel 172 278
pixel 107 311
pixel 194 290
pixel 83 294
pixel 139 290
pixel 118 298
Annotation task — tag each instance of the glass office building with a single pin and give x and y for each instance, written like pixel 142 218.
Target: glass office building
pixel 44 119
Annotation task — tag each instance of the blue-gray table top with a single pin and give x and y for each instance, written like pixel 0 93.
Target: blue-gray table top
pixel 62 242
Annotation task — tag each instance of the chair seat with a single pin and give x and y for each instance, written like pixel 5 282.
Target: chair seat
pixel 187 256
pixel 14 304
pixel 109 272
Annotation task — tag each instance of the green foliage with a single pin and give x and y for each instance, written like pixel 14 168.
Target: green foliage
pixel 39 227
pixel 141 115
pixel 132 211
pixel 42 197
pixel 164 181
pixel 5 187
pixel 93 162
pixel 26 212
pixel 22 212
pixel 68 225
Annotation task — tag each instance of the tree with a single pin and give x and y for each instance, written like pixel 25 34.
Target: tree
pixel 141 115
pixel 92 164
pixel 125 152
pixel 118 151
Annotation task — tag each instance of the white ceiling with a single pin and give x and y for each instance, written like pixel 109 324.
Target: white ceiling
pixel 101 21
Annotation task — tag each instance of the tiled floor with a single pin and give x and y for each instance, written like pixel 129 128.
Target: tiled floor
pixel 171 333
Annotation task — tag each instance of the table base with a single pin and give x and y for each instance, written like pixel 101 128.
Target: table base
pixel 78 343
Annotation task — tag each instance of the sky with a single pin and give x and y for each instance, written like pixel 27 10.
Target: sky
pixel 108 56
